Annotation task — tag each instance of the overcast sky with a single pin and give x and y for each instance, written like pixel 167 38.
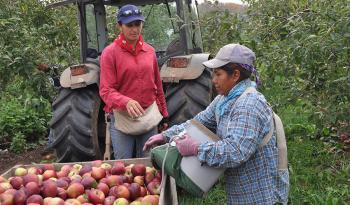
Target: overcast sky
pixel 226 1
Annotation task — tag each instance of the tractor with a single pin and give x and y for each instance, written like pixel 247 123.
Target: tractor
pixel 78 125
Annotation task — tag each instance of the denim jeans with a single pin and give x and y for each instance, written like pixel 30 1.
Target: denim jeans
pixel 123 144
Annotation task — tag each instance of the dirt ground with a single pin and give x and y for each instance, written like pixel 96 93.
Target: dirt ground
pixel 8 160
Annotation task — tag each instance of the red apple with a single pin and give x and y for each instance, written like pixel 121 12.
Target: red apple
pixel 74 190
pixel 33 170
pixel 20 171
pixel 2 179
pixel 89 182
pixel 96 163
pixel 10 191
pixel 61 193
pixel 62 183
pixel 121 201
pixel 5 186
pixel 75 179
pixel 20 197
pixel 16 182
pixel 85 169
pixel 48 167
pixel 118 169
pixel 109 200
pixel 61 174
pixel 32 188
pixel 98 173
pixel 66 168
pixel 140 180
pixel 103 187
pixel 154 188
pixel 106 166
pixel 135 190
pixel 149 177
pixel 35 199
pixel 96 196
pixel 114 180
pixel 138 170
pixel 120 191
pixel 103 180
pixel 143 191
pixel 30 178
pixel 49 189
pixel 6 199
pixel 49 174
pixel 150 200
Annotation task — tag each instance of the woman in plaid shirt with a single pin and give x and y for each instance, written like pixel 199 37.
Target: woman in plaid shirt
pixel 252 174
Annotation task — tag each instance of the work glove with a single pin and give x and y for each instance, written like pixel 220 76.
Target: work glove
pixel 186 145
pixel 154 140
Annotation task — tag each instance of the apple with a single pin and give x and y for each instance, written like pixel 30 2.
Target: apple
pixel 96 163
pixel 75 179
pixel 140 180
pixel 109 200
pixel 33 204
pixel 6 199
pixel 36 198
pixel 49 189
pixel 114 180
pixel 16 182
pixel 20 171
pixel 74 190
pixel 56 201
pixel 96 196
pixel 138 170
pixel 62 183
pixel 103 187
pixel 33 170
pixel 118 169
pixel 89 182
pixel 106 166
pixel 32 188
pixel 154 188
pixel 5 186
pixel 61 193
pixel 121 201
pixel 135 190
pixel 61 174
pixel 20 197
pixel 143 191
pixel 77 166
pixel 87 174
pixel 149 177
pixel 30 178
pixel 136 203
pixel 73 172
pixel 150 200
pixel 151 170
pixel 128 168
pixel 72 202
pixel 48 167
pixel 98 173
pixel 49 174
pixel 83 198
pixel 103 180
pixel 120 191
pixel 66 168
pixel 10 191
pixel 85 169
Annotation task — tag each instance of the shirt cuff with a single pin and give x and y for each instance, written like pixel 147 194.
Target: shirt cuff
pixel 203 150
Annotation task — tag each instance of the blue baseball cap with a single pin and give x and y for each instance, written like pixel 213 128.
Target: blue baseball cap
pixel 129 13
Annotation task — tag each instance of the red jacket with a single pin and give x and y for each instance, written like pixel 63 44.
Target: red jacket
pixel 125 76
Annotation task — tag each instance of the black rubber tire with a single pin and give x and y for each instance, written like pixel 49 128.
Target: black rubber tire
pixel 77 125
pixel 188 97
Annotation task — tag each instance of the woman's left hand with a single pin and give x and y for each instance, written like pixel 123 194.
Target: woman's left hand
pixel 187 146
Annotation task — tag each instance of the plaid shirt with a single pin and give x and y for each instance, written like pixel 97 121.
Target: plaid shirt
pixel 252 175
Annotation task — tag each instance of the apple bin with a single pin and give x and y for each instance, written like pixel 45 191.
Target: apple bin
pixel 19 178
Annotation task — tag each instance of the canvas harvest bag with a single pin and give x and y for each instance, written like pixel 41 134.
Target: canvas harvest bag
pixel 197 179
pixel 140 125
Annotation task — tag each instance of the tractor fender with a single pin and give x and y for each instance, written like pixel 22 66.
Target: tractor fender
pixel 192 71
pixel 67 80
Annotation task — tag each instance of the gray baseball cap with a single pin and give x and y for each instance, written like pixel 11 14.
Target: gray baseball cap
pixel 231 53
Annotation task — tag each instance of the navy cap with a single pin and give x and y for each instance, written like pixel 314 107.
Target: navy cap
pixel 129 13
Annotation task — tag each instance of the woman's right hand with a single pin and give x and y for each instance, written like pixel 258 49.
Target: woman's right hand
pixel 154 140
pixel 134 109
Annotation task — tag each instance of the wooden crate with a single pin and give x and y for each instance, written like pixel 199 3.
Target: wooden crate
pixel 168 195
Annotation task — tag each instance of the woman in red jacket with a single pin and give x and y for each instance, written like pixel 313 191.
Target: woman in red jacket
pixel 130 81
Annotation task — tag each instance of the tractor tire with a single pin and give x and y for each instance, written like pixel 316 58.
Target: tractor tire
pixel 77 125
pixel 188 97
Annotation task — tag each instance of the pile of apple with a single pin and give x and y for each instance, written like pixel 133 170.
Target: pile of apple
pixel 95 183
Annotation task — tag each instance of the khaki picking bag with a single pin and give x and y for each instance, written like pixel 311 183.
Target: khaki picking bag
pixel 136 126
